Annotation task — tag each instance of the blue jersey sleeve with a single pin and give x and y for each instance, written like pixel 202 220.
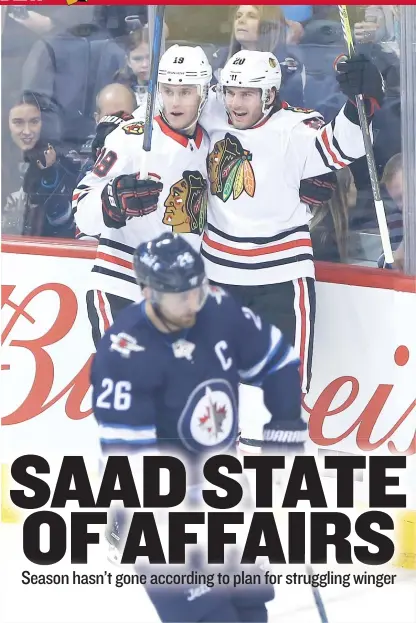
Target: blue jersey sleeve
pixel 123 406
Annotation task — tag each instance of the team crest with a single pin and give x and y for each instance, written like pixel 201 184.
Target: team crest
pixel 272 62
pixel 125 344
pixel 183 349
pixel 186 204
pixel 229 169
pixel 209 420
pixel 134 128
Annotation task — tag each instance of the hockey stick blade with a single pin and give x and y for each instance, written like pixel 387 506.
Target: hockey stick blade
pixel 152 89
pixel 368 146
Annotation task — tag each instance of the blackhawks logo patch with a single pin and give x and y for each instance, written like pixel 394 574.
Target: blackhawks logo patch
pixel 134 128
pixel 229 169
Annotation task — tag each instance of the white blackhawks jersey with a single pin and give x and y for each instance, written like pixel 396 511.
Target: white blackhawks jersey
pixel 180 164
pixel 257 229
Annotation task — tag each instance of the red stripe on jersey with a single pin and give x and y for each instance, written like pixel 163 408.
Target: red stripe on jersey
pixel 114 260
pixel 329 150
pixel 284 246
pixel 101 305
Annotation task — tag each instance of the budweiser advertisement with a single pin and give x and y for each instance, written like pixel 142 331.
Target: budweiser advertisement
pixel 363 393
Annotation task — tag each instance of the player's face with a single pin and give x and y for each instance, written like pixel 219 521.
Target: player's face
pixel 244 106
pixel 395 189
pixel 138 60
pixel 25 125
pixel 180 309
pixel 180 106
pixel 246 26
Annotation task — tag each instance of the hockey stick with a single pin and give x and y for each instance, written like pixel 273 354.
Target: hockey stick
pixel 368 146
pixel 317 597
pixel 151 93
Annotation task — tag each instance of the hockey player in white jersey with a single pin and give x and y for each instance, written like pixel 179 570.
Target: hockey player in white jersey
pixel 113 203
pixel 257 240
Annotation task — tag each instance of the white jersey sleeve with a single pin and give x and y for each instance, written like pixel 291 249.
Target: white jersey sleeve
pixel 116 159
pixel 328 148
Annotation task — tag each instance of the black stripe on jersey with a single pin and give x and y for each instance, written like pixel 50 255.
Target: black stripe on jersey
pixel 281 236
pixel 113 273
pixel 117 245
pixel 336 144
pixel 324 158
pixel 286 260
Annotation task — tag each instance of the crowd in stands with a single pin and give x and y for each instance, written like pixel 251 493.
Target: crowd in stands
pixel 64 68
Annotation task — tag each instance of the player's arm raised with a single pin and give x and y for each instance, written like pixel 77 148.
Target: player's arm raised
pixel 340 142
pixel 112 192
pixel 267 360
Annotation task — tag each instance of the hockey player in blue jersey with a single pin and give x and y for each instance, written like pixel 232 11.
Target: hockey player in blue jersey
pixel 167 374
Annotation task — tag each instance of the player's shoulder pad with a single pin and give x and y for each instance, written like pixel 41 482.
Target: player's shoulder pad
pixel 217 294
pixel 136 128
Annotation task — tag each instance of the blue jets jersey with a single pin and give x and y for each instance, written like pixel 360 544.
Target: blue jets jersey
pixel 180 390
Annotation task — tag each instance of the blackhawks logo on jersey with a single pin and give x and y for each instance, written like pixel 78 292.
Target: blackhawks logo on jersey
pixel 134 128
pixel 230 170
pixel 186 204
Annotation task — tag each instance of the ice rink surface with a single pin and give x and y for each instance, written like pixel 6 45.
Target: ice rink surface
pixel 109 604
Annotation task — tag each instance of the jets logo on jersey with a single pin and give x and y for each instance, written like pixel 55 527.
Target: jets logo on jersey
pixel 134 128
pixel 125 344
pixel 186 204
pixel 209 419
pixel 229 169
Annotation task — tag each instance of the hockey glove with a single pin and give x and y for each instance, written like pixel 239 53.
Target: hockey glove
pixel 126 196
pixel 285 437
pixel 318 190
pixel 358 75
pixel 104 128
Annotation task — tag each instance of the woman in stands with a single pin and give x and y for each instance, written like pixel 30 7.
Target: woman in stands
pixel 38 200
pixel 135 73
pixel 264 28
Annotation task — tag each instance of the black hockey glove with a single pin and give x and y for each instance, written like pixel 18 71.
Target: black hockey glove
pixel 358 75
pixel 104 128
pixel 127 196
pixel 318 190
pixel 285 437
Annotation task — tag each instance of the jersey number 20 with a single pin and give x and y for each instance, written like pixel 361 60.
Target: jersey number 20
pixel 115 395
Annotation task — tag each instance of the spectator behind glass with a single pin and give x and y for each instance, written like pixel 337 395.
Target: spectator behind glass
pixel 392 181
pixel 264 28
pixel 136 72
pixel 40 205
pixel 329 224
pixel 112 100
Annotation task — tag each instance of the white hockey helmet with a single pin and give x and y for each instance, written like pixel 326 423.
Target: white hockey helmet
pixel 185 65
pixel 254 70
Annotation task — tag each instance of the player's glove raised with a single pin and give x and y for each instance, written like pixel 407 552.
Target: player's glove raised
pixel 358 75
pixel 104 128
pixel 127 196
pixel 318 190
pixel 285 437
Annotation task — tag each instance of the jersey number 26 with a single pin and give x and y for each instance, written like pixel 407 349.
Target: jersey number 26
pixel 115 395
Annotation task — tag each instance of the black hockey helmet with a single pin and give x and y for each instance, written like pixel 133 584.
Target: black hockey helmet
pixel 168 264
